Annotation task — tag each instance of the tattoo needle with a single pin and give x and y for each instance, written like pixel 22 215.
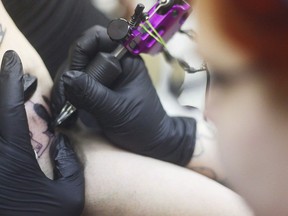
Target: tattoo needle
pixel 69 109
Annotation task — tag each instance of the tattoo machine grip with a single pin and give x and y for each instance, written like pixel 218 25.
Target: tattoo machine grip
pixel 105 68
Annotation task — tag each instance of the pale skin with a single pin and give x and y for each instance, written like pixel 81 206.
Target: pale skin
pixel 14 40
pixel 252 130
pixel 119 182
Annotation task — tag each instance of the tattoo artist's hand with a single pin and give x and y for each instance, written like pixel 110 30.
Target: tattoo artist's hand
pixel 129 110
pixel 24 189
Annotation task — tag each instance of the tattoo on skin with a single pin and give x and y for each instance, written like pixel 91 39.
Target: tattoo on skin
pixel 43 114
pixel 2 33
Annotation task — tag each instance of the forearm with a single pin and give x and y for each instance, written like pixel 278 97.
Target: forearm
pixel 38 114
pixel 12 39
pixel 123 183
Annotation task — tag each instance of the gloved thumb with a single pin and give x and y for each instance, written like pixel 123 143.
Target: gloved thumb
pixel 13 123
pixel 66 163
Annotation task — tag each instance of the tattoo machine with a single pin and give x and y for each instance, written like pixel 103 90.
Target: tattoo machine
pixel 146 32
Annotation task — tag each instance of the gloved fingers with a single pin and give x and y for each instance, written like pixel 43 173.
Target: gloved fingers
pixel 133 69
pixel 86 93
pixel 134 76
pixel 13 123
pixel 86 47
pixel 66 162
pixel 104 68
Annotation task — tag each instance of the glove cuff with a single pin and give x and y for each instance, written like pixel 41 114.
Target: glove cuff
pixel 179 142
pixel 172 140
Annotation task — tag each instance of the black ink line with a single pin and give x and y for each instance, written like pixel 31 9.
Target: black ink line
pixel 45 116
pixel 37 146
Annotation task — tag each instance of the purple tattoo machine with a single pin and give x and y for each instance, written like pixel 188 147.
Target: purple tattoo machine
pixel 146 32
pixel 149 32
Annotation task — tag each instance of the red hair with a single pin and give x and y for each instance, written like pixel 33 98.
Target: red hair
pixel 259 26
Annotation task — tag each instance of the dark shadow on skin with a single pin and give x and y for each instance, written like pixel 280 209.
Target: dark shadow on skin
pixel 47 101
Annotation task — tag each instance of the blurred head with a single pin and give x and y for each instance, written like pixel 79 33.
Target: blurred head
pixel 246 45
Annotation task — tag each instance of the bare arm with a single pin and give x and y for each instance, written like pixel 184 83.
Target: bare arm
pixel 122 183
pixel 12 38
pixel 37 107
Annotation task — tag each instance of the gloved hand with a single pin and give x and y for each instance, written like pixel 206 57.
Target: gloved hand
pixel 129 112
pixel 82 57
pixel 24 189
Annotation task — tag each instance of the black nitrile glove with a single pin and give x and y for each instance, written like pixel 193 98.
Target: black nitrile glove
pixel 129 112
pixel 84 56
pixel 24 188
